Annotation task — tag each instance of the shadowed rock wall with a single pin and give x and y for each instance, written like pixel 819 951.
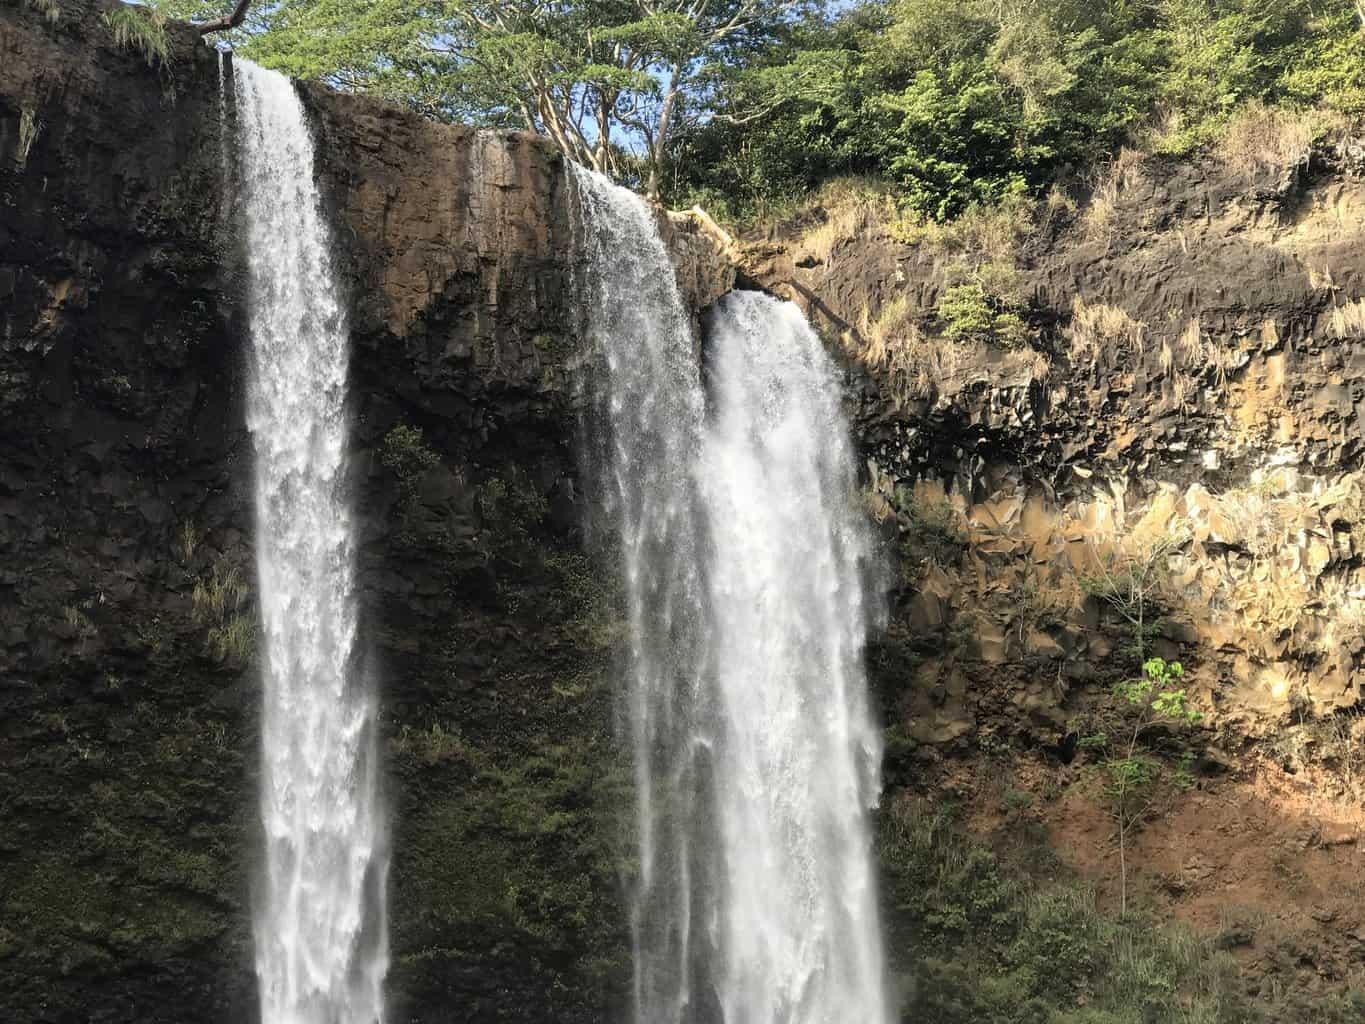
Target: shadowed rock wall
pixel 128 691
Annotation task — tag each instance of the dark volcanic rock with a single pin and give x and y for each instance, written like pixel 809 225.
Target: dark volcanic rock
pixel 127 685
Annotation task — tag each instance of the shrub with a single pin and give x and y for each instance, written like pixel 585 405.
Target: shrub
pixel 965 312
pixel 1131 776
pixel 977 311
pixel 985 945
pixel 931 531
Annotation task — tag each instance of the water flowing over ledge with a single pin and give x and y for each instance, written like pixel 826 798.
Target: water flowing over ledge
pixel 745 699
pixel 321 944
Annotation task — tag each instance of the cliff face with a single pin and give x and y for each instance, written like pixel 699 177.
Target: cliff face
pixel 1182 402
pixel 1168 449
pixel 126 572
pixel 1191 382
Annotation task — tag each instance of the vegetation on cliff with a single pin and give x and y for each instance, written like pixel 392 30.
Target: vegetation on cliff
pixel 747 103
pixel 968 101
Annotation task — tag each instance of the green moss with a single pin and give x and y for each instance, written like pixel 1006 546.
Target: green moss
pixel 515 856
pixel 406 454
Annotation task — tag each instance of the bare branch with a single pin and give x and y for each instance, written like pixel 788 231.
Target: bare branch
pixel 226 22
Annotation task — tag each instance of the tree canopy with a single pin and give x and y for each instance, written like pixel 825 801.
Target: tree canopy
pixel 953 102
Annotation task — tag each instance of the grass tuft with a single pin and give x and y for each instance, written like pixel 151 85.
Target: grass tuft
pixel 1261 138
pixel 49 9
pixel 1097 326
pixel 1348 321
pixel 1097 221
pixel 142 31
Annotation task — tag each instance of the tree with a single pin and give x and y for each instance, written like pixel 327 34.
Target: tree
pixel 1131 775
pixel 227 21
pixel 1130 580
pixel 611 82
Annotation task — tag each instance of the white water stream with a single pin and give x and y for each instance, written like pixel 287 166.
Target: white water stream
pixel 743 550
pixel 321 945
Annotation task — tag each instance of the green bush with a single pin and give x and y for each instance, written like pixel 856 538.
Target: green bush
pixel 957 102
pixel 980 942
pixel 405 454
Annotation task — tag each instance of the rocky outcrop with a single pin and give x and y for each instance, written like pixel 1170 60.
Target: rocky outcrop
pixel 127 625
pixel 1189 393
pixel 1166 447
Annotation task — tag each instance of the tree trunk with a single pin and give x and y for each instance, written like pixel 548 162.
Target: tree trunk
pixel 656 151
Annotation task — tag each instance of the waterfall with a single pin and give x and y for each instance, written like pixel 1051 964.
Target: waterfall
pixel 756 758
pixel 321 946
pixel 650 422
pixel 798 757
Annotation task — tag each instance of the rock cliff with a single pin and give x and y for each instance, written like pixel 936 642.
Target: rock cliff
pixel 1165 445
pixel 126 607
pixel 1176 400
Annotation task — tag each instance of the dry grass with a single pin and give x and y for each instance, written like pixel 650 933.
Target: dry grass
pixel 1097 222
pixel 1101 325
pixel 915 366
pixel 1255 518
pixel 1195 355
pixel 1348 321
pixel 1320 280
pixel 234 638
pixel 884 333
pixel 223 593
pixel 50 9
pixel 988 234
pixel 892 344
pixel 29 129
pixel 1261 138
pixel 188 541
pixel 1270 334
pixel 218 602
pixel 848 207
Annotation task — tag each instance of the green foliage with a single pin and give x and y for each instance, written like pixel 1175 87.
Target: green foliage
pixel 972 101
pixel 406 455
pixel 931 532
pixel 513 502
pixel 218 603
pixel 141 30
pixel 610 83
pixel 965 312
pixel 997 946
pixel 1132 777
pixel 743 104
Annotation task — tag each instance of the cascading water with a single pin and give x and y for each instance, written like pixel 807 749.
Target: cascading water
pixel 651 418
pixel 756 758
pixel 798 759
pixel 321 945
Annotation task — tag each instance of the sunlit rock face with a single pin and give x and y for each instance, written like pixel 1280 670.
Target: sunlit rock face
pixel 1188 395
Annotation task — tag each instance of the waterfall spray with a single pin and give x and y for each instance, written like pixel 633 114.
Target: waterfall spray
pixel 745 697
pixel 321 945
